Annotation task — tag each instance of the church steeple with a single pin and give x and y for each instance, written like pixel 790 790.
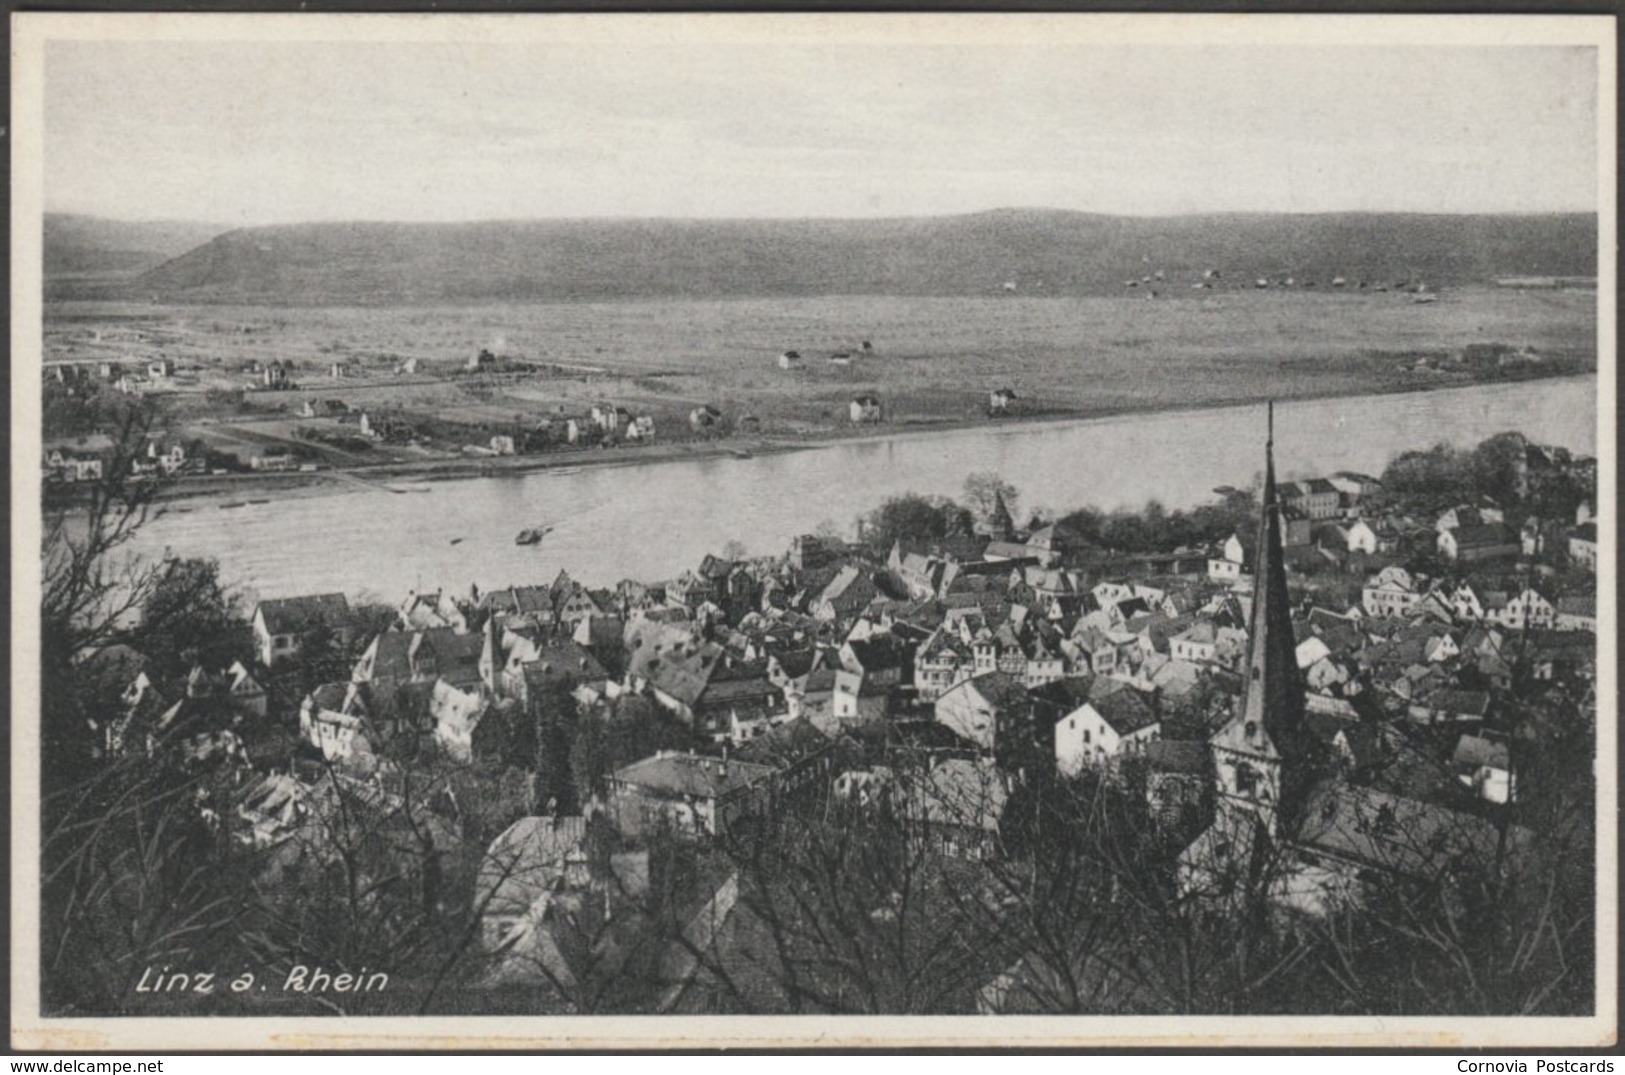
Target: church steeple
pixel 1262 753
pixel 1000 525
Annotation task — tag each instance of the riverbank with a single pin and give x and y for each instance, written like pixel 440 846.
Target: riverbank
pixel 403 477
pixel 652 522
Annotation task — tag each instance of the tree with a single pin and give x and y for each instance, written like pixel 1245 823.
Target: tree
pixel 1429 478
pixel 188 619
pixel 606 740
pixel 984 489
pixel 368 880
pixel 126 878
pixel 93 588
pixel 130 879
pixel 1085 522
pixel 553 713
pixel 1499 470
pixel 853 912
pixel 912 517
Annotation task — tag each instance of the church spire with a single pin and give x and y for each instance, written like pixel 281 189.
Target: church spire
pixel 1001 525
pixel 1272 694
pixel 1267 737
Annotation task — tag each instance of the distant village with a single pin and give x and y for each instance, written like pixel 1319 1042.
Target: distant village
pixel 277 416
pixel 933 682
pixel 335 429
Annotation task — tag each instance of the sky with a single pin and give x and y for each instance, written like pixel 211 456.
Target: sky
pixel 236 132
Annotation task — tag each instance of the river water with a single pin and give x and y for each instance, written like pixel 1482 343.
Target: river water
pixel 652 521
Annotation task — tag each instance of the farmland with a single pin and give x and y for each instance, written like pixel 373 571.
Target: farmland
pixel 932 361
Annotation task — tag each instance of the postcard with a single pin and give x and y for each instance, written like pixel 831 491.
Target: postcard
pixel 813 530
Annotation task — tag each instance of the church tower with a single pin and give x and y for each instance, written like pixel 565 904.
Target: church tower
pixel 1263 754
pixel 1000 526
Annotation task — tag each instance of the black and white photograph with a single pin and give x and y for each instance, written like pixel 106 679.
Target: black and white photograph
pixel 1049 529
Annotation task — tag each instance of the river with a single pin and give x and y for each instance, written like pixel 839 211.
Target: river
pixel 652 521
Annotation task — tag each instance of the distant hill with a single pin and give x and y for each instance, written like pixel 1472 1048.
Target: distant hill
pixel 1042 252
pixel 88 251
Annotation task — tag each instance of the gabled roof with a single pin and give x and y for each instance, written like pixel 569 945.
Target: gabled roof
pixel 1392 832
pixel 742 693
pixel 1202 631
pixel 850 589
pixel 674 774
pixel 566 662
pixel 1178 756
pixel 1361 741
pixel 1003 692
pixel 785 744
pixel 1133 606
pixel 685 673
pixel 521 600
pixel 526 861
pixel 1062 696
pixel 1476 750
pixel 452 656
pixel 1050 536
pixel 1579 605
pixel 1463 703
pixel 795 663
pixel 969 794
pixel 819 681
pixel 290 615
pixel 879 651
pixel 1126 711
pixel 392 656
pixel 715 567
pixel 1483 536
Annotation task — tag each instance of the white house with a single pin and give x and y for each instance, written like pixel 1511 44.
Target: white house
pixel 1356 536
pixel 1231 562
pixel 1485 541
pixel 1485 766
pixel 984 709
pixel 1528 609
pixel 866 409
pixel 456 714
pixel 1577 613
pixel 1466 602
pixel 280 624
pixel 607 416
pixel 1102 731
pixel 333 718
pixel 1197 643
pixel 1393 591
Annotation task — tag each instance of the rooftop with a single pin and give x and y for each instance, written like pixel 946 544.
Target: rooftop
pixel 287 615
pixel 697 775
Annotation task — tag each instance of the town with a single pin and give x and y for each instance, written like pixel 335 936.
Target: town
pixel 1090 764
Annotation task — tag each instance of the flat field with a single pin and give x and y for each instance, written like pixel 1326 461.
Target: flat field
pixel 931 361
